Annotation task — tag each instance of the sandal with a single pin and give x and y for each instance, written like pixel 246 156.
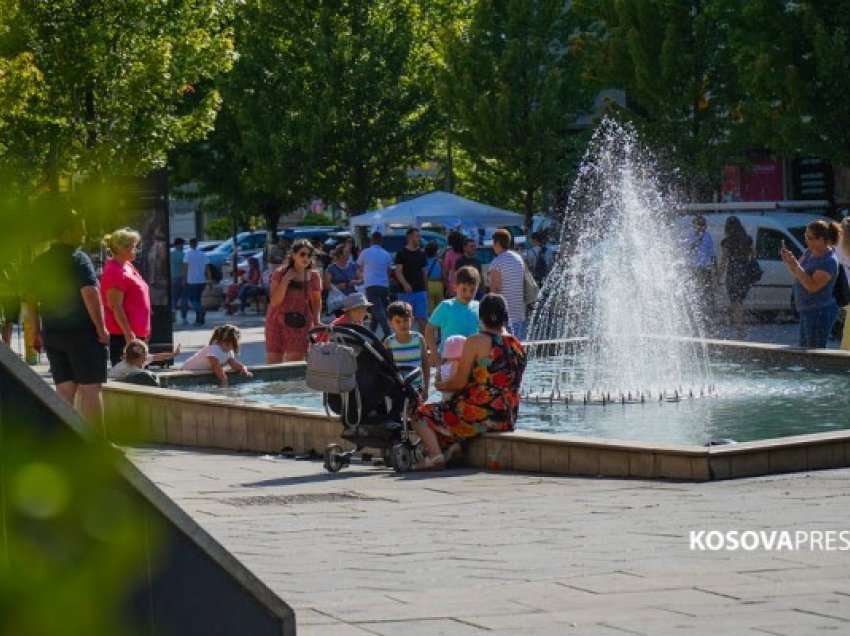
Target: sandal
pixel 432 462
pixel 453 452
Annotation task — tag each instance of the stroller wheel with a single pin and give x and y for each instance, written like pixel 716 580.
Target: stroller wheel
pixel 334 458
pixel 402 457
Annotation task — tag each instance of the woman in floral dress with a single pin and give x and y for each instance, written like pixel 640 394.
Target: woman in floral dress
pixel 486 387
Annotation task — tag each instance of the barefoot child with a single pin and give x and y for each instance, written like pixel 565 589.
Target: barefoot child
pixel 131 368
pixel 220 352
pixel 407 347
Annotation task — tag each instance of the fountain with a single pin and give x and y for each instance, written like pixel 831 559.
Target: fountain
pixel 620 286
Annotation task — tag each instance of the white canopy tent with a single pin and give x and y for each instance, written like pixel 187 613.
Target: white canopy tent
pixel 441 208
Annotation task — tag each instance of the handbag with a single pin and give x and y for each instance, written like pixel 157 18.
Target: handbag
pixel 754 271
pixel 530 289
pixel 331 368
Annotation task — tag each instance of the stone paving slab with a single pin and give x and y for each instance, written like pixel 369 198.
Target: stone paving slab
pixel 464 552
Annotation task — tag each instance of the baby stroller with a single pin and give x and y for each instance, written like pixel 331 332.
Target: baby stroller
pixel 376 412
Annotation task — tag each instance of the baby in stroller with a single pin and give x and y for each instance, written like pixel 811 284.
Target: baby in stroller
pixel 373 397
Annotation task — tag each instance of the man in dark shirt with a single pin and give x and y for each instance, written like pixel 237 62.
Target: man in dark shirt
pixel 411 266
pixel 470 260
pixel 63 292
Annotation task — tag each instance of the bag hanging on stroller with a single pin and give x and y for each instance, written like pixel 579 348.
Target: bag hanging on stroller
pixel 361 384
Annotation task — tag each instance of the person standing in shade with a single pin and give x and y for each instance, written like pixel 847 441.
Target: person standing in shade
pixel 702 261
pixel 374 264
pixel 469 259
pixel 842 252
pixel 539 257
pixel 195 274
pixel 126 296
pixel 63 294
pixel 10 302
pixel 507 278
pixel 736 253
pixel 175 260
pixel 815 275
pixel 411 270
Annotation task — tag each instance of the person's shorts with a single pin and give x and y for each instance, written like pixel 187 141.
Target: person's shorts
pixel 10 309
pixel 76 356
pixel 419 302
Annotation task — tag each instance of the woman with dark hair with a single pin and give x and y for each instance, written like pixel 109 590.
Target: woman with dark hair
pixel 295 304
pixel 453 253
pixel 815 274
pixel 485 385
pixel 736 254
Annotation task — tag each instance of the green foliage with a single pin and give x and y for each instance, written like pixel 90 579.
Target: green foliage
pixel 109 85
pixel 219 229
pixel 74 538
pixel 794 61
pixel 513 90
pixel 326 99
pixel 674 61
pixel 316 219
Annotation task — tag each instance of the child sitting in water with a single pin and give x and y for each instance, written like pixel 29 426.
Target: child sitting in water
pixel 452 352
pixel 136 358
pixel 220 352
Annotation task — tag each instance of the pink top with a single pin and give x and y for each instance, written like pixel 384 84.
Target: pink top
pixel 137 301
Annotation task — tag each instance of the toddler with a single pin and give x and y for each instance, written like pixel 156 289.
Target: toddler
pixel 452 351
pixel 220 352
pixel 131 368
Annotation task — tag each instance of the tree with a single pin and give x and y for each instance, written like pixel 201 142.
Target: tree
pixel 375 96
pixel 675 64
pixel 118 80
pixel 794 61
pixel 514 88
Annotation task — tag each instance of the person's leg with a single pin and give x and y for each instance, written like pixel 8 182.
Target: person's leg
pixel 176 292
pixel 378 296
pixel 196 290
pixel 273 358
pixel 428 437
pixel 822 326
pixel 91 406
pixel 845 337
pixel 805 330
pixel 67 391
pixel 116 349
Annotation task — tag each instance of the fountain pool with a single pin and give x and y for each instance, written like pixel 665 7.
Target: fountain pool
pixel 752 401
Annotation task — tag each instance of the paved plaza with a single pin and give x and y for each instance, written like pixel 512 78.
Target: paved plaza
pixel 367 551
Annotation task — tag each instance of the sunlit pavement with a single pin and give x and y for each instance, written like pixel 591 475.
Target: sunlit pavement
pixel 369 552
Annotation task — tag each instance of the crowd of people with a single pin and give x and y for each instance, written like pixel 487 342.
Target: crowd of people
pixel 442 316
pixel 820 275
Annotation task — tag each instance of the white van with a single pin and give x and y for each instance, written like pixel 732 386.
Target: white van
pixel 773 293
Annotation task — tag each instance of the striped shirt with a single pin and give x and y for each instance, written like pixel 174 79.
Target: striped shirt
pixel 512 269
pixel 408 354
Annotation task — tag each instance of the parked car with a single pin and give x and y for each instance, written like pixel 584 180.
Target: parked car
pixel 206 246
pixel 773 293
pixel 310 232
pixel 246 241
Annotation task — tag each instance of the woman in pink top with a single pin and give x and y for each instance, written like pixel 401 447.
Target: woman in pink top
pixel 126 299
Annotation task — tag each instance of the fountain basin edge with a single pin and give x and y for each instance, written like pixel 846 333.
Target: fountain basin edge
pixel 200 420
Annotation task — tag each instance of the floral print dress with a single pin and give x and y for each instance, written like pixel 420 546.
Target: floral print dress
pixel 489 401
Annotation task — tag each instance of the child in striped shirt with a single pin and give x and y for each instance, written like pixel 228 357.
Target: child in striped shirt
pixel 407 347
